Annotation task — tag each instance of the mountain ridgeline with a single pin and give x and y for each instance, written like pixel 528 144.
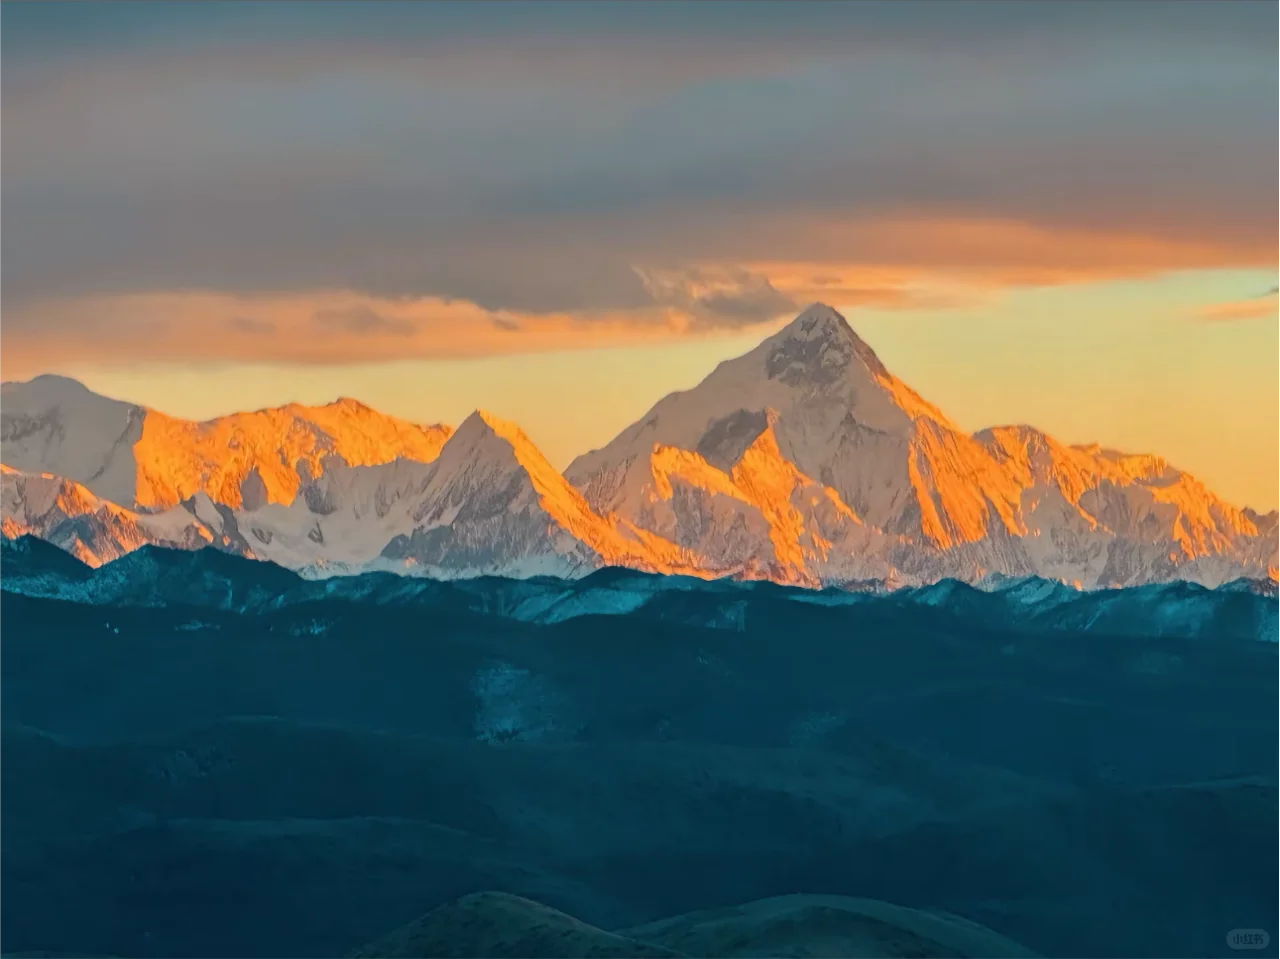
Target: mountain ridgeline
pixel 207 581
pixel 804 462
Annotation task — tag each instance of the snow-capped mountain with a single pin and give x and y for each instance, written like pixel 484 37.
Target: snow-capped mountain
pixel 1115 519
pixel 933 502
pixel 743 508
pixel 804 462
pixel 492 503
pixel 865 444
pixel 489 503
pixel 95 530
pixel 339 521
pixel 55 425
pixel 140 458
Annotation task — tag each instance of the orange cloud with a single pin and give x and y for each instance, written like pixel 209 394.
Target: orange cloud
pixel 1254 308
pixel 878 287
pixel 327 327
pixel 930 263
pixel 980 251
pixel 340 327
pixel 916 263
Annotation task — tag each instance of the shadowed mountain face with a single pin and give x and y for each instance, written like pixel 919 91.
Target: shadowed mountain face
pixel 199 761
pixel 497 924
pixel 1242 609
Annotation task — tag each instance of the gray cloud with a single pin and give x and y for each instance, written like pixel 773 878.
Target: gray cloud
pixel 717 297
pixel 360 320
pixel 172 147
pixel 746 306
pixel 251 325
pixel 83 30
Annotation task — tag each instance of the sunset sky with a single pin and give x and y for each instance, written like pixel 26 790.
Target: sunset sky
pixel 1062 214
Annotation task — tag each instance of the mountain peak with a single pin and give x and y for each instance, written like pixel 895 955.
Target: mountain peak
pixel 818 321
pixel 56 379
pixel 817 346
pixel 481 427
pixel 49 387
pixel 349 403
pixel 483 419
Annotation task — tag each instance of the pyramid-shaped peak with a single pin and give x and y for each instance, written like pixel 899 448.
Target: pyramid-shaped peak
pixel 504 428
pixel 482 424
pixel 817 345
pixel 817 322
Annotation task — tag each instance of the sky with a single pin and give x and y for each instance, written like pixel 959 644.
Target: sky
pixel 1055 213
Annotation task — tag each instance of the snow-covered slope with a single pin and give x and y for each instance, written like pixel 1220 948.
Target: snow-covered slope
pixel 52 424
pixel 1102 517
pixel 250 459
pixel 144 459
pixel 94 530
pixel 930 501
pixel 755 514
pixel 491 503
pixel 340 521
pixel 841 418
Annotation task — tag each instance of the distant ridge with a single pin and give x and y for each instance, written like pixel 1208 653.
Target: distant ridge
pixel 218 581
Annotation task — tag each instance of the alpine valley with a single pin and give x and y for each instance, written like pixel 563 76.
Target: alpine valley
pixel 805 462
